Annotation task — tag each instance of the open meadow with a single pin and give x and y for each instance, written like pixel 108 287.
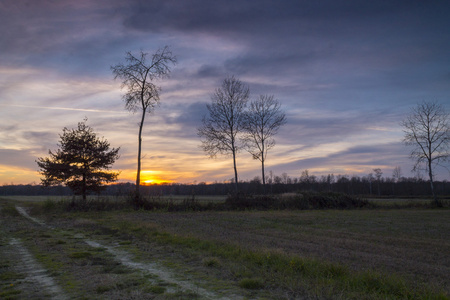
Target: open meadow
pixel 379 253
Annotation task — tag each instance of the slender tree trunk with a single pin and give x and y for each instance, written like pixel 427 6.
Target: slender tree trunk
pixel 263 176
pixel 379 193
pixel 84 188
pixel 430 174
pixel 262 168
pixel 138 175
pixel 235 172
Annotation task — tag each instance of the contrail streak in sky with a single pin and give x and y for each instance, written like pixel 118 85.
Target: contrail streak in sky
pixel 64 108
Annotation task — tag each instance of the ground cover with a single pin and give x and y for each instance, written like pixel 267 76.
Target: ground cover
pixel 337 254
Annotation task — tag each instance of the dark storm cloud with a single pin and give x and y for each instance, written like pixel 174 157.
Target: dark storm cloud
pixel 279 36
pixel 238 17
pixel 51 34
pixel 347 50
pixel 321 27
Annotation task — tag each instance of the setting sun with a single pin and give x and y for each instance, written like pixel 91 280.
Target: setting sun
pixel 152 177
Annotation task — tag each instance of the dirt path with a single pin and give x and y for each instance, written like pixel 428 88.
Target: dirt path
pixel 35 272
pixel 156 271
pixel 23 212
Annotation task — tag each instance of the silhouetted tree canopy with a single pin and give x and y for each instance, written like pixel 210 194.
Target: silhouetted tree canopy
pixel 82 161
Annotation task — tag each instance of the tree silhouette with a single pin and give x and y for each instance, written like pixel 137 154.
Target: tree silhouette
pixel 220 129
pixel 378 174
pixel 262 121
pixel 138 75
pixel 427 130
pixel 81 163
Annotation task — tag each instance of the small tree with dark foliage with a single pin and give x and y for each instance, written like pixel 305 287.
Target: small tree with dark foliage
pixel 81 163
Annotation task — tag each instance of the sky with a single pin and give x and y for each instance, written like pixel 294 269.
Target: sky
pixel 345 72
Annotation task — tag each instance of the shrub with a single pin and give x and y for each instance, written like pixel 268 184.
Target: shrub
pixel 306 200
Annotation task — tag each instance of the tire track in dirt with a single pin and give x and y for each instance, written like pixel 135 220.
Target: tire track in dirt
pixel 35 272
pixel 126 259
pixel 22 211
pixel 154 269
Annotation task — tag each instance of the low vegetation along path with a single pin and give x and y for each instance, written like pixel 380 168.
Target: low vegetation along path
pixel 41 283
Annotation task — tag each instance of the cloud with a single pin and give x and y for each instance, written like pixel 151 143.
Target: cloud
pixel 18 158
pixel 352 160
pixel 346 72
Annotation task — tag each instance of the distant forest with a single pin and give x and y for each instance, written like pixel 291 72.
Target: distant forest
pixel 354 185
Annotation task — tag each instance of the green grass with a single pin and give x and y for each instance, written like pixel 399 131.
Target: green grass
pixel 156 289
pixel 77 255
pixel 251 283
pixel 319 254
pixel 288 271
pixel 11 275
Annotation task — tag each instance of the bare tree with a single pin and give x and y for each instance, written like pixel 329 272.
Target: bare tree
pixel 370 180
pixel 262 122
pixel 397 173
pixel 219 131
pixel 138 75
pixel 378 174
pixel 427 130
pixel 396 177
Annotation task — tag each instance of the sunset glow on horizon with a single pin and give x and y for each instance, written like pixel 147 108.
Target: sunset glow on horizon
pixel 346 75
pixel 153 177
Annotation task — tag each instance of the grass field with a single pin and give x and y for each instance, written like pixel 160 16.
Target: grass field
pixel 326 254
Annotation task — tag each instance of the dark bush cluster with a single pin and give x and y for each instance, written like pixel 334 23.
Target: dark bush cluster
pixel 305 200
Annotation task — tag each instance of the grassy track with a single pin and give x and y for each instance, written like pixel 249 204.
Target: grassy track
pixel 345 254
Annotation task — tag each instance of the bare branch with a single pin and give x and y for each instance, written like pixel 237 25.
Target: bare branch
pixel 219 132
pixel 427 130
pixel 261 123
pixel 138 76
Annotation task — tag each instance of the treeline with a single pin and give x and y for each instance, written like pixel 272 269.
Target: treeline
pixel 353 185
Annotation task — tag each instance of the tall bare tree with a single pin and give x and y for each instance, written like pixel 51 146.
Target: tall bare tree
pixel 138 75
pixel 427 130
pixel 220 129
pixel 262 121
